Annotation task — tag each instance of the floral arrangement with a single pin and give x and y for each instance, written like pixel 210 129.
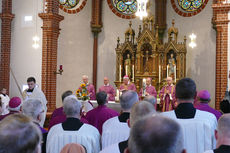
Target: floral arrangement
pixel 82 93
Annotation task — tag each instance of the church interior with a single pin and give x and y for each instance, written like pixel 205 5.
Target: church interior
pixel 78 45
pixel 84 41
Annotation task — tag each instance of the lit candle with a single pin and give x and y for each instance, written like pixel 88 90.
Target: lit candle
pixel 144 80
pixel 120 73
pixel 61 67
pixel 126 70
pixel 167 70
pixel 118 94
pixel 159 73
pixel 175 73
pixel 133 73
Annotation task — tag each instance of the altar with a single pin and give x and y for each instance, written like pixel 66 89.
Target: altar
pixel 147 56
pixel 114 105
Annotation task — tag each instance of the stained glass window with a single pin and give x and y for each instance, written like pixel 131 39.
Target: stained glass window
pixel 127 7
pixel 190 5
pixel 69 3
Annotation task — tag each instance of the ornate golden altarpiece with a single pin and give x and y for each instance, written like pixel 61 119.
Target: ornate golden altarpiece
pixel 146 56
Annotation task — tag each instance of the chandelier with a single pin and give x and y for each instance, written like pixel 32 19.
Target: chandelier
pixel 141 8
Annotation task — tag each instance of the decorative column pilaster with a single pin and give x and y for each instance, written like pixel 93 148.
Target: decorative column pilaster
pixel 160 12
pixel 6 17
pixel 50 33
pixel 220 21
pixel 96 25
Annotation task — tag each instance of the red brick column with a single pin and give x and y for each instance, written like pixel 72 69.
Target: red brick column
pixel 6 17
pixel 51 20
pixel 96 25
pixel 160 12
pixel 220 20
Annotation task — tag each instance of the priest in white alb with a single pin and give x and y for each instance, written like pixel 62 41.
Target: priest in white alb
pixel 34 92
pixel 198 126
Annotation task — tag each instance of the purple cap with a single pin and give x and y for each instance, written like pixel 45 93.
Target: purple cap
pixel 15 103
pixel 204 95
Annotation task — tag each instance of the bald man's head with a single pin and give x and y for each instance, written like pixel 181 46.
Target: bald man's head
pixel 106 80
pixel 85 79
pixel 140 110
pixel 169 80
pixel 150 99
pixel 223 131
pixel 156 134
pixel 224 126
pixel 148 81
pixel 128 99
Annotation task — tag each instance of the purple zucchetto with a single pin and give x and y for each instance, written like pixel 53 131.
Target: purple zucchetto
pixel 15 104
pixel 204 95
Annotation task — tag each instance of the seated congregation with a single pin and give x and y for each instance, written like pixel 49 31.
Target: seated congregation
pixel 190 127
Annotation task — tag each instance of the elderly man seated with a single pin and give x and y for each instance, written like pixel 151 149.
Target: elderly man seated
pixel 18 134
pixel 73 130
pixel 33 108
pixel 156 134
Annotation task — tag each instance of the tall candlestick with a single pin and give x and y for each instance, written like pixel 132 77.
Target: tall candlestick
pixel 167 71
pixel 159 73
pixel 118 94
pixel 133 73
pixel 175 73
pixel 120 73
pixel 126 70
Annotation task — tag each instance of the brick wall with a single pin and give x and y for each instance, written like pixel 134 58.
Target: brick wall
pixel 50 33
pixel 6 17
pixel 220 21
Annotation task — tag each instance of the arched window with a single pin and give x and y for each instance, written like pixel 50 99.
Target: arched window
pixel 69 3
pixel 72 6
pixel 188 8
pixel 123 8
pixel 190 5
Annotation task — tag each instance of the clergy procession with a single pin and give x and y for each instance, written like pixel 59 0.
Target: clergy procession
pixel 177 120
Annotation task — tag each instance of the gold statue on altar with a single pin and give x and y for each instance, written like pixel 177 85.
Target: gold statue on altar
pixel 128 66
pixel 149 57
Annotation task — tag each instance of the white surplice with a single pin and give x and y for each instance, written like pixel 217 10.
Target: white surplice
pixel 114 131
pixel 111 149
pixel 5 104
pixel 209 151
pixel 198 131
pixel 87 135
pixel 37 94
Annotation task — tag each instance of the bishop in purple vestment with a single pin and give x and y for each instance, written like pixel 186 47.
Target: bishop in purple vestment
pixel 167 96
pixel 127 85
pixel 90 87
pixel 108 89
pixel 100 114
pixel 150 90
pixel 203 98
